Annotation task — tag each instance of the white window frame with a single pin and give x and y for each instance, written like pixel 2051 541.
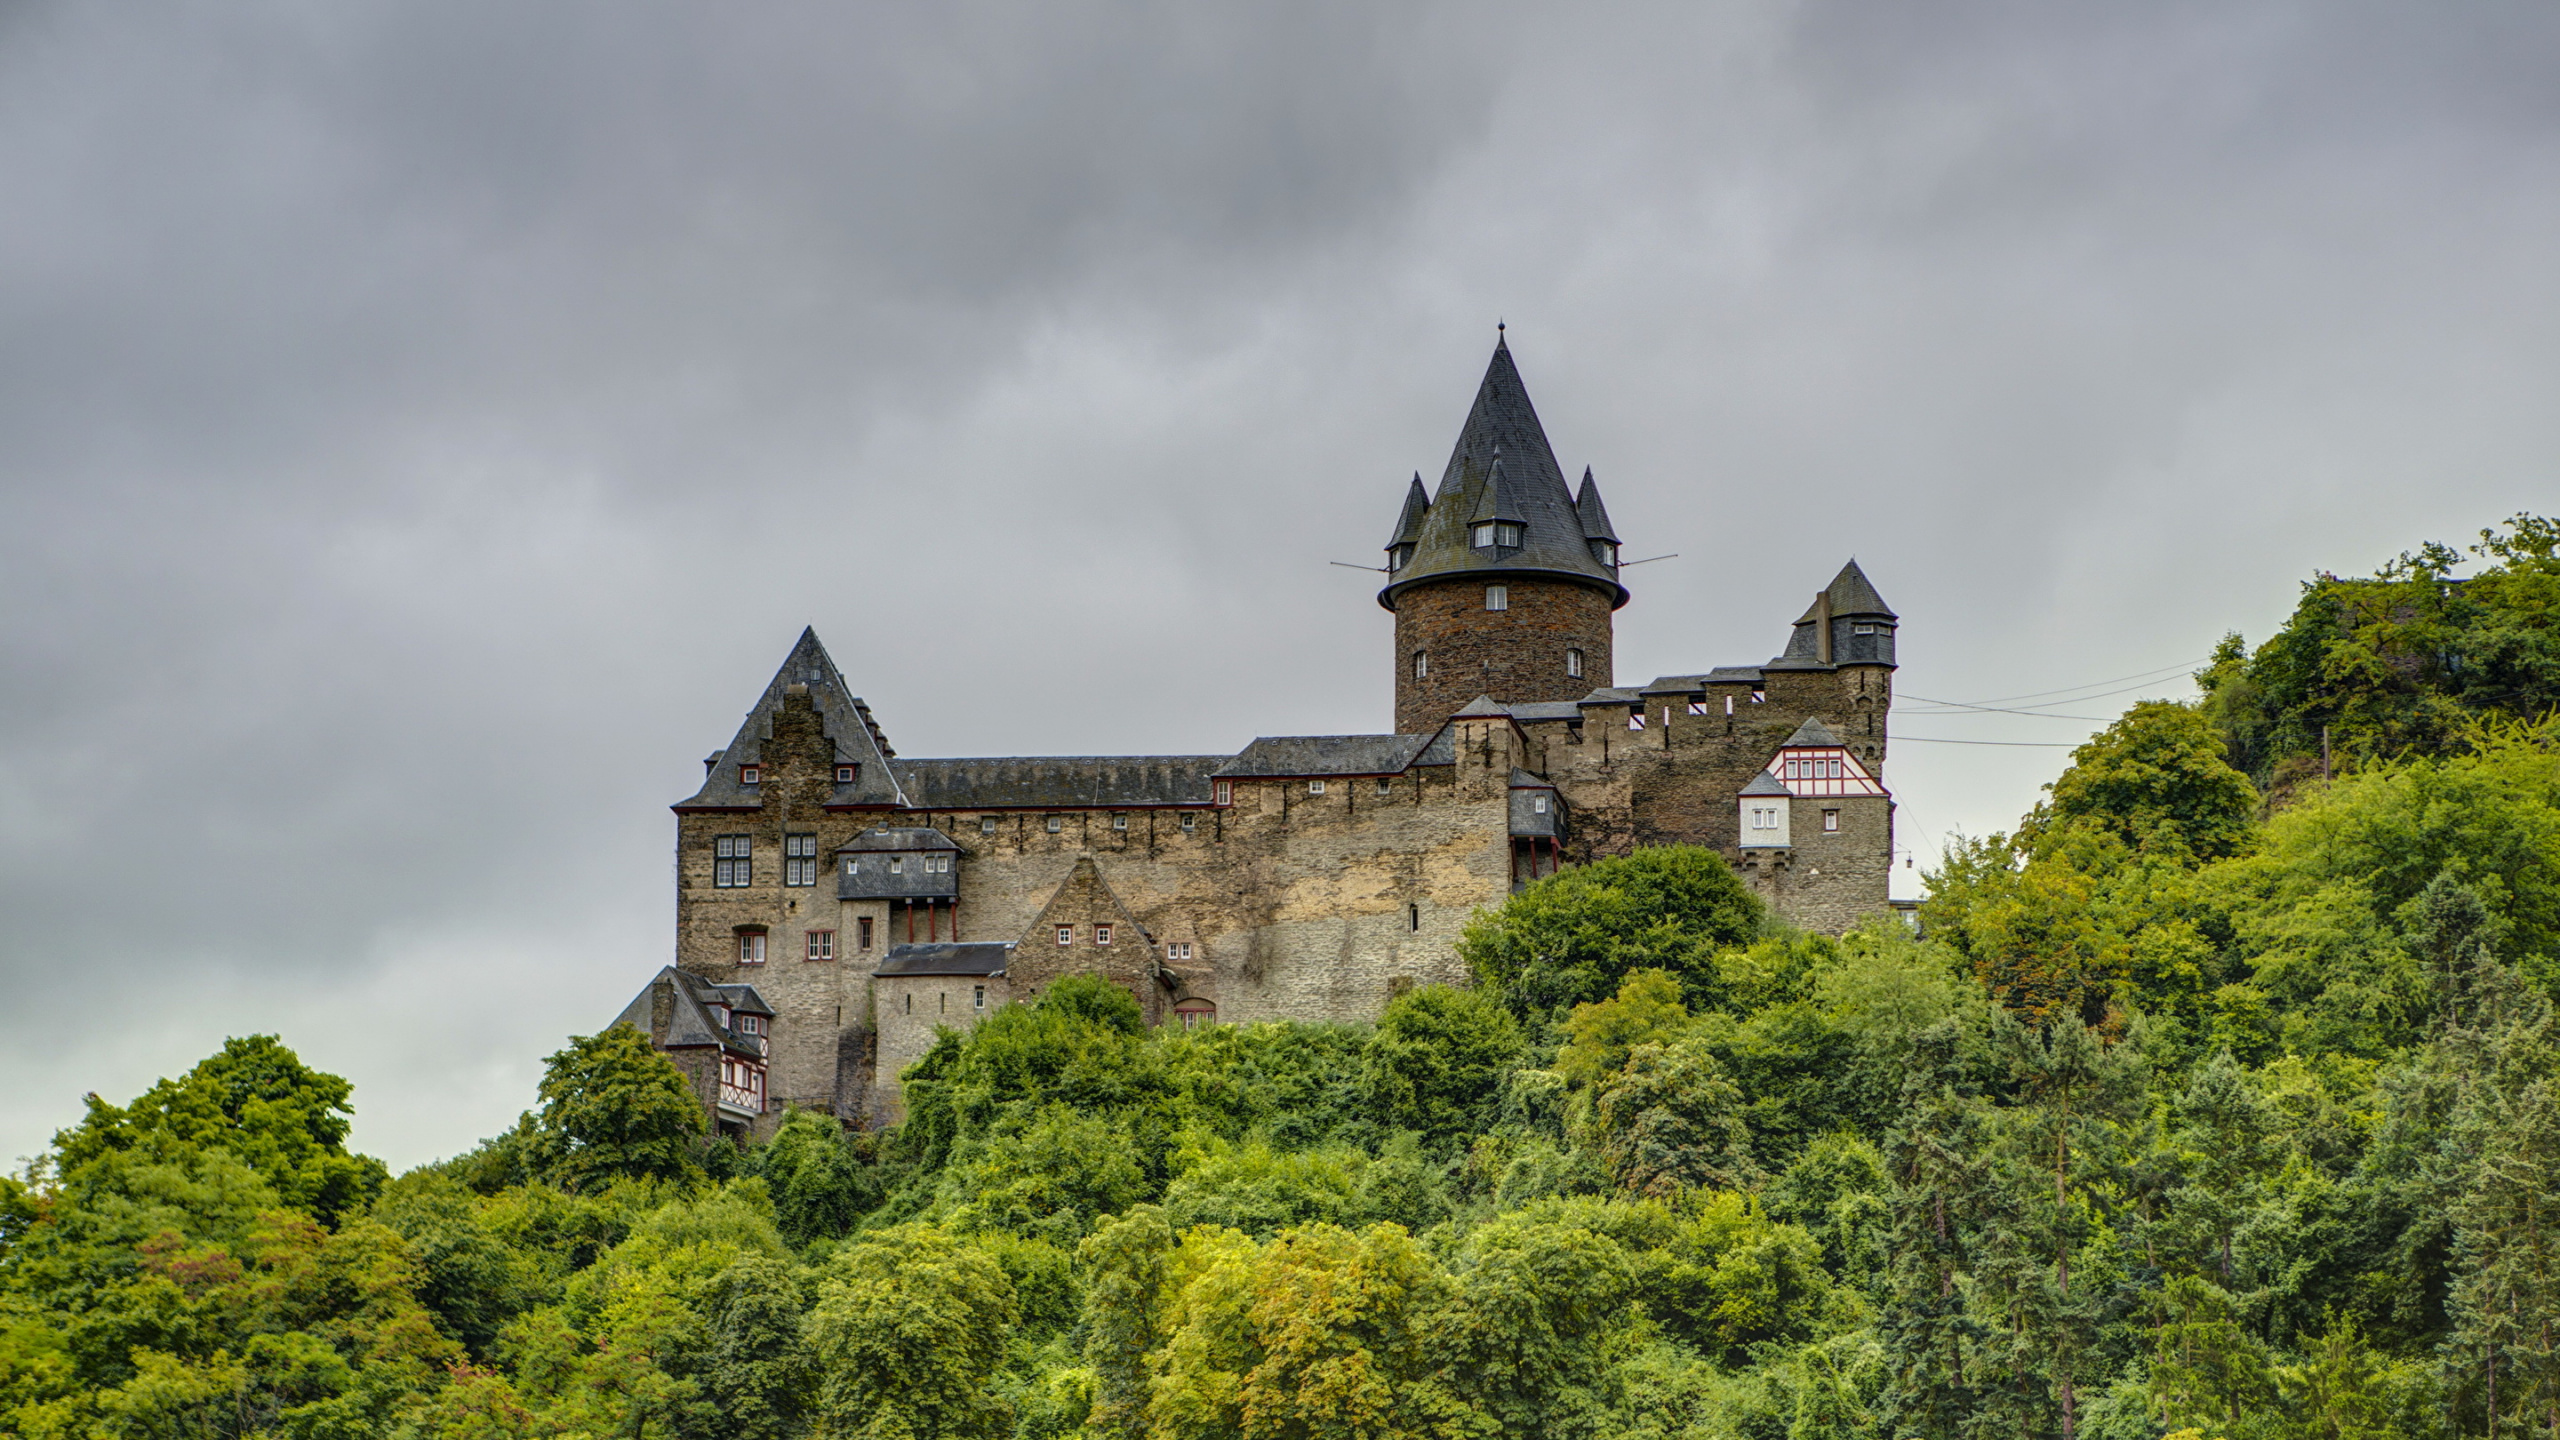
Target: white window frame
pixel 1573 662
pixel 1119 820
pixel 1190 822
pixel 800 859
pixel 1538 804
pixel 1830 822
pixel 1057 823
pixel 751 947
pixel 1066 934
pixel 1421 664
pixel 848 774
pixel 1497 597
pixel 897 864
pixel 986 824
pixel 1315 787
pixel 1101 934
pixel 1222 792
pixel 751 774
pixel 978 997
pixel 820 945
pixel 1482 538
pixel 1177 950
pixel 733 862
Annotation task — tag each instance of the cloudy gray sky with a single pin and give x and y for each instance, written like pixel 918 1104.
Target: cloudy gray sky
pixel 424 427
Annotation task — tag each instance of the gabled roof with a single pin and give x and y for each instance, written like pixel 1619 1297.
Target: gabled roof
pixel 1291 755
pixel 690 1021
pixel 966 957
pixel 1811 732
pixel 1595 516
pixel 1764 783
pixel 1484 705
pixel 846 720
pixel 1526 486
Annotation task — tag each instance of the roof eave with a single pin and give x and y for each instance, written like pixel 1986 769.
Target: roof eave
pixel 1618 594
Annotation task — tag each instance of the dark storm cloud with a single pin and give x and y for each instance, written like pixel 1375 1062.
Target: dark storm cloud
pixel 424 427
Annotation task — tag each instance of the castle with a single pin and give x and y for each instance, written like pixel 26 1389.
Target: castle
pixel 837 904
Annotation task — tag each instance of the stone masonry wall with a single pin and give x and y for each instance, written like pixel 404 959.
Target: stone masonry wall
pixel 1516 655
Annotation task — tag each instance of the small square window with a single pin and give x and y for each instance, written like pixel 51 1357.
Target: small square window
pixel 986 824
pixel 1066 934
pixel 1178 950
pixel 1119 821
pixel 1057 823
pixel 1497 597
pixel 751 947
pixel 897 864
pixel 822 945
pixel 1315 787
pixel 846 774
pixel 750 774
pixel 1831 820
pixel 1101 934
pixel 1386 784
pixel 1759 696
pixel 1190 823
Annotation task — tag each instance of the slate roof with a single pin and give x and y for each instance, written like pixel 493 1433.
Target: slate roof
pixel 1530 712
pixel 1811 732
pixel 1765 783
pixel 1417 502
pixel 898 837
pixel 1595 516
pixel 1484 705
pixel 846 720
pixel 690 1022
pixel 1851 596
pixel 1068 782
pixel 964 957
pixel 1526 485
pixel 1326 755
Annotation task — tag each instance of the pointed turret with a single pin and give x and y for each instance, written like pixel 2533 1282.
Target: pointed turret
pixel 1503 474
pixel 734 778
pixel 1417 504
pixel 1595 522
pixel 1848 623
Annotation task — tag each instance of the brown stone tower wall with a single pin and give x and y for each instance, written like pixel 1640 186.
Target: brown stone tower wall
pixel 1517 655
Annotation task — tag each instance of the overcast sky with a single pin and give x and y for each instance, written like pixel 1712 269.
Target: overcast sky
pixel 425 427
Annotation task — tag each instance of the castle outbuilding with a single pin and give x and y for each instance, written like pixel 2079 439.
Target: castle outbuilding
pixel 871 900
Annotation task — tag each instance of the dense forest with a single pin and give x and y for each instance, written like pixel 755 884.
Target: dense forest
pixel 2216 1100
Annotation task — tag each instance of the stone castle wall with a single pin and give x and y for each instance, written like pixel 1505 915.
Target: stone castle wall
pixel 1516 655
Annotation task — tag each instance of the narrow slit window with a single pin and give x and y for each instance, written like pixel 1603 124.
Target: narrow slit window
pixel 1421 664
pixel 1573 664
pixel 1413 917
pixel 862 933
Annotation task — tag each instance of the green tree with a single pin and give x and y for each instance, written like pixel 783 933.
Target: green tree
pixel 1573 937
pixel 2156 777
pixel 820 1186
pixel 255 1099
pixel 613 1108
pixel 1646 1010
pixel 909 1326
pixel 1436 1061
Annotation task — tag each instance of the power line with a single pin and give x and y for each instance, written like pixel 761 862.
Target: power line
pixel 2035 711
pixel 2012 744
pixel 2144 677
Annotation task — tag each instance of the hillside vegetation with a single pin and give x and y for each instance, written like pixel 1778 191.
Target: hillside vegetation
pixel 2185 1119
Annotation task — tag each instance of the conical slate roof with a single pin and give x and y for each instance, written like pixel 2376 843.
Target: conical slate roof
pixel 1849 596
pixel 1526 487
pixel 847 722
pixel 1595 516
pixel 1417 503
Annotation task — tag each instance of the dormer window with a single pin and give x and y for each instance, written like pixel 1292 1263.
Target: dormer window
pixel 750 1025
pixel 1495 533
pixel 721 1014
pixel 897 864
pixel 750 774
pixel 1538 804
pixel 847 774
pixel 1606 552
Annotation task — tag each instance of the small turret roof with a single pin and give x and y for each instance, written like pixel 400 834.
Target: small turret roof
pixel 1417 503
pixel 1526 487
pixel 1812 732
pixel 1850 593
pixel 1595 516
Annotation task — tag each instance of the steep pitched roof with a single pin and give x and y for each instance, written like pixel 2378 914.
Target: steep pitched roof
pixel 847 722
pixel 1853 594
pixel 1525 486
pixel 1417 503
pixel 1849 595
pixel 689 1020
pixel 1595 516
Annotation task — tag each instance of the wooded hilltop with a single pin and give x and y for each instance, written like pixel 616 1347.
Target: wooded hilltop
pixel 2218 1099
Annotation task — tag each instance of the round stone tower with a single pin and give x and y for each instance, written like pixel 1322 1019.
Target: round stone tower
pixel 1505 581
